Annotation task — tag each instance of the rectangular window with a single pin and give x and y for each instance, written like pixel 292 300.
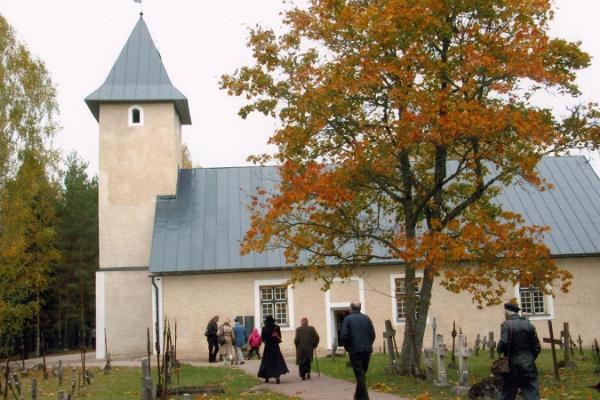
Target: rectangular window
pixel 533 300
pixel 274 302
pixel 401 298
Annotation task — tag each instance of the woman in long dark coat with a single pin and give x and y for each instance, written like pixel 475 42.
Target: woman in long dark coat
pixel 212 338
pixel 272 364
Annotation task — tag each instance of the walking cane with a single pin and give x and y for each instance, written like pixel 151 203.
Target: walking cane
pixel 317 361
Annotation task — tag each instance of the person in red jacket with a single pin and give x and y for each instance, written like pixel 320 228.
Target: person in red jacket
pixel 254 342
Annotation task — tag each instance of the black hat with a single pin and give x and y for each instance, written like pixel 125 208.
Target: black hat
pixel 269 319
pixel 512 305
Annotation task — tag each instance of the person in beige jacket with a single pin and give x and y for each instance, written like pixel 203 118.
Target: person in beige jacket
pixel 226 339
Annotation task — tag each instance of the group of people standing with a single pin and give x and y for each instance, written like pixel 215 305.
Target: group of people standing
pixel 229 341
pixel 357 336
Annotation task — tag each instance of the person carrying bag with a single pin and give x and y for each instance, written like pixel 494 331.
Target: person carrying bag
pixel 520 346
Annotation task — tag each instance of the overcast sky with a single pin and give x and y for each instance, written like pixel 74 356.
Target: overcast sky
pixel 79 40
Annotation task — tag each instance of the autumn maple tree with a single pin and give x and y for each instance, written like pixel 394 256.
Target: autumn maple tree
pixel 399 121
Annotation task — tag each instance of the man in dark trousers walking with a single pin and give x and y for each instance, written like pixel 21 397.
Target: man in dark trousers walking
pixel 358 336
pixel 306 341
pixel 520 344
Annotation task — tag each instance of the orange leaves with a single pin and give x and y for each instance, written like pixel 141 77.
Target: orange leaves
pixel 394 118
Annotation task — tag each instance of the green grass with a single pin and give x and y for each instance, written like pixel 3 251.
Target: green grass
pixel 572 386
pixel 125 384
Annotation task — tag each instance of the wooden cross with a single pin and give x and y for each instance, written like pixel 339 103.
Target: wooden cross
pixel 491 344
pixel 553 342
pixel 390 337
pixel 596 349
pixel 477 344
pixel 453 333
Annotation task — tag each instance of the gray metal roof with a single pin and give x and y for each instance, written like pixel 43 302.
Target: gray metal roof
pixel 201 228
pixel 139 75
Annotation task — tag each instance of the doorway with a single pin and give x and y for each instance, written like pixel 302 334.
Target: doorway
pixel 338 315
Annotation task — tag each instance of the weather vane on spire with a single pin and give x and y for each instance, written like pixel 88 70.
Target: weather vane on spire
pixel 141 8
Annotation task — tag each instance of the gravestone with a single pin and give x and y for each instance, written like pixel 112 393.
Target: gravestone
pixel 477 344
pixel 60 372
pixel 434 334
pixel 463 353
pixel 16 383
pixel 61 395
pixel 484 343
pixel 440 352
pixel 568 362
pixel 553 342
pixel 34 389
pixel 491 344
pixel 428 355
pixel 73 381
pixel 148 389
pixel 390 339
pixel 187 396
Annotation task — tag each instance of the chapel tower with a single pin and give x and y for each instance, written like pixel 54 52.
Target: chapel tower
pixel 140 114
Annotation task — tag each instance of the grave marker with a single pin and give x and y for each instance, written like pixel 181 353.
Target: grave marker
pixel 390 339
pixel 60 372
pixel 148 389
pixel 434 333
pixel 453 361
pixel 463 353
pixel 16 384
pixel 34 391
pixel 553 342
pixel 491 344
pixel 428 353
pixel 580 342
pixel 477 344
pixel 569 363
pixel 440 351
pixel 596 351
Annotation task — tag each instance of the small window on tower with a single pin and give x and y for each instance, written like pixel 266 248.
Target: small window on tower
pixel 136 116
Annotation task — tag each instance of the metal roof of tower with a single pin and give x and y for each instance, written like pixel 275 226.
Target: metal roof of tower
pixel 139 75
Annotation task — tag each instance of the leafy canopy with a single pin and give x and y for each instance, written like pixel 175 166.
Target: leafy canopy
pixel 399 122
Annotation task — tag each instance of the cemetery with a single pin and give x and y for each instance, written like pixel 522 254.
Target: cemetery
pixel 566 371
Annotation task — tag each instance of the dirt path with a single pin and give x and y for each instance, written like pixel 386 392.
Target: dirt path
pixel 314 389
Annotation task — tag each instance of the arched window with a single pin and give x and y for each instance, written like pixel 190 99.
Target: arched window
pixel 136 116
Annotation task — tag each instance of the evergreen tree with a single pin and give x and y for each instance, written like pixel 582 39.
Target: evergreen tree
pixel 72 310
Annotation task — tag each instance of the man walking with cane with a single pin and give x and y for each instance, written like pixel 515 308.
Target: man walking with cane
pixel 358 336
pixel 306 342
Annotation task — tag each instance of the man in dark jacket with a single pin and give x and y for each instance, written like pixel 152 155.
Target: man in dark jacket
pixel 358 336
pixel 520 344
pixel 306 340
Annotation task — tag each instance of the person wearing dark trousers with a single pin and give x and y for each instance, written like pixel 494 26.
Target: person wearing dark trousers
pixel 306 341
pixel 357 336
pixel 212 338
pixel 520 344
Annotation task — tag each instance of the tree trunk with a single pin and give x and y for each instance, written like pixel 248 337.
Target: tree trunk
pixel 414 328
pixel 37 327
